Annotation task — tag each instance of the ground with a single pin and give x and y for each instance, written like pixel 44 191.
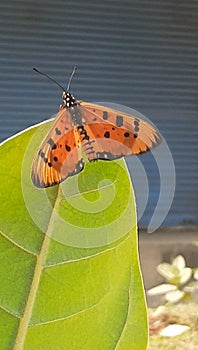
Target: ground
pixel 184 314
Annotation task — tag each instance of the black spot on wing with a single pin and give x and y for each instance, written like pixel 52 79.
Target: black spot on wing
pixel 51 143
pixel 107 134
pixel 42 155
pixel 105 115
pixel 136 125
pixel 68 148
pixel 58 132
pixel 119 120
pixel 136 121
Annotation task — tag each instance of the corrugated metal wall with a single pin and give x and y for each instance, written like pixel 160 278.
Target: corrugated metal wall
pixel 142 54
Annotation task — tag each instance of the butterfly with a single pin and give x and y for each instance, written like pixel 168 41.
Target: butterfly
pixel 82 129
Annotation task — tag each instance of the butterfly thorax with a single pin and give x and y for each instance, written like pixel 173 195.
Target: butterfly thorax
pixel 72 106
pixel 68 100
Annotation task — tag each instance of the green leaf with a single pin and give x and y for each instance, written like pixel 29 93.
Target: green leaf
pixel 69 260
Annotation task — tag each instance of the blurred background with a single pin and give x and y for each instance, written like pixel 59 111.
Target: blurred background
pixel 141 54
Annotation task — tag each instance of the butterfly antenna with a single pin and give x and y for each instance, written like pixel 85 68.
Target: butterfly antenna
pixel 47 76
pixel 71 76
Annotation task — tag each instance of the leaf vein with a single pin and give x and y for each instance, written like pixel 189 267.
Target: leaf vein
pixel 16 244
pixel 89 256
pixel 74 314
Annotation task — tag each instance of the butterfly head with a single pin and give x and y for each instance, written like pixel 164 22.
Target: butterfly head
pixel 68 100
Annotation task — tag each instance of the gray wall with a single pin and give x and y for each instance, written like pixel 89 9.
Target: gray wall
pixel 142 54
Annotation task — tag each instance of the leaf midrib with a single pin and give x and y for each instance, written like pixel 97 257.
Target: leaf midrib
pixel 41 257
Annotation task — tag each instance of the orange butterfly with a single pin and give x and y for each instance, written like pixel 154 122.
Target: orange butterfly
pixel 86 128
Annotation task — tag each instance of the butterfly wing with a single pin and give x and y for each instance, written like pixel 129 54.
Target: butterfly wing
pixel 104 133
pixel 59 155
pixel 113 134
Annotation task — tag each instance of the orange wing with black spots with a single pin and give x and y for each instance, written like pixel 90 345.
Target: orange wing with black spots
pixel 114 134
pixel 59 155
pixel 97 131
